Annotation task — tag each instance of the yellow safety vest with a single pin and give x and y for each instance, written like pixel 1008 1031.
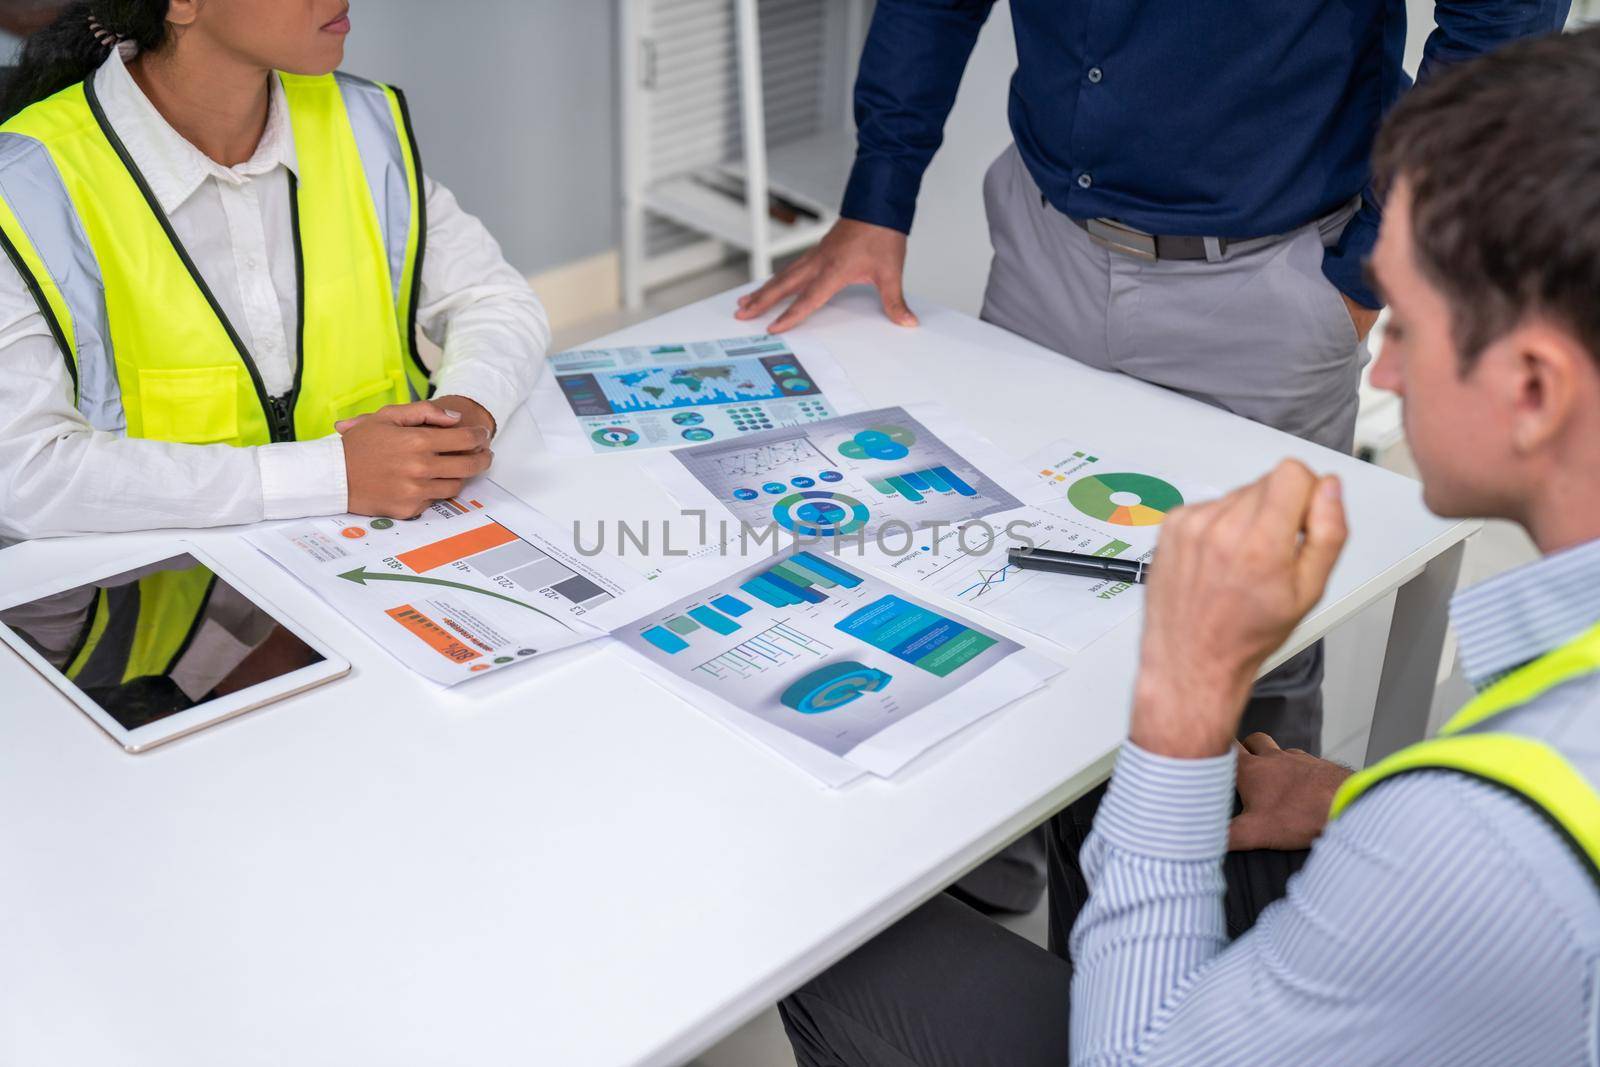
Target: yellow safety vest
pixel 1525 765
pixel 140 630
pixel 148 349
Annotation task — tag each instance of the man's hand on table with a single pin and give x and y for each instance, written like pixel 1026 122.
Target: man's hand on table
pixel 401 458
pixel 1229 582
pixel 1287 794
pixel 852 253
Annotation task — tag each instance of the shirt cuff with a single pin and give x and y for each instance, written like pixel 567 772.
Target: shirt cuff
pixel 300 478
pixel 1345 263
pixel 483 384
pixel 1168 809
pixel 881 193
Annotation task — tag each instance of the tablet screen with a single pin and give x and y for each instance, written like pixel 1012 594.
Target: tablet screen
pixel 158 640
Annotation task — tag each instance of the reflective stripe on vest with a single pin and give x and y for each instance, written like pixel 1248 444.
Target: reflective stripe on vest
pixel 149 350
pixel 1525 765
pixel 141 629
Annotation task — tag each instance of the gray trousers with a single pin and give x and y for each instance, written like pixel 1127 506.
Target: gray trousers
pixel 1261 333
pixel 947 987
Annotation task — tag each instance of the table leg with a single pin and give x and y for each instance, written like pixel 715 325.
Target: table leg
pixel 1411 661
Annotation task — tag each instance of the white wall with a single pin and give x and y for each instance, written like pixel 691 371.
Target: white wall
pixel 515 108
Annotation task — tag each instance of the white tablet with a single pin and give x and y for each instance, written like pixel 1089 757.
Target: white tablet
pixel 161 645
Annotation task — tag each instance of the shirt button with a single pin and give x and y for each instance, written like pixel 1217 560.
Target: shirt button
pixel 1084 181
pixel 1095 74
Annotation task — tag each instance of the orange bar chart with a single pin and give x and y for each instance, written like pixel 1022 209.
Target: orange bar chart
pixel 435 636
pixel 427 557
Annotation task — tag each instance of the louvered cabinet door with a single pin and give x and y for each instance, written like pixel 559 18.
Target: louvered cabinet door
pixel 685 128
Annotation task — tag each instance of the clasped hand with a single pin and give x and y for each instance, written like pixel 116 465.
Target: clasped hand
pixel 1230 581
pixel 401 458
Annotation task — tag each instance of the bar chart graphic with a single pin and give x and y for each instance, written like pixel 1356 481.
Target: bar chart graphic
pixel 717 616
pixel 915 485
pixel 800 579
pixel 810 645
pixel 495 551
pixel 773 648
pixel 849 475
pixel 477 582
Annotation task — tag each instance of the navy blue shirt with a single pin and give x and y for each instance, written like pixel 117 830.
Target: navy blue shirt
pixel 1236 119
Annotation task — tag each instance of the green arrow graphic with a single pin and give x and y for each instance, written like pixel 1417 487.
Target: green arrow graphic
pixel 361 576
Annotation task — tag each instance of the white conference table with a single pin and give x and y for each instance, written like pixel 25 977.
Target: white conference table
pixel 563 864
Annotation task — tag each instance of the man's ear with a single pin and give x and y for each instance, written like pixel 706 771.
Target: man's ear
pixel 1540 370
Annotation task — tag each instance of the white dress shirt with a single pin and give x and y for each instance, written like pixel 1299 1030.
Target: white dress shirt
pixel 60 476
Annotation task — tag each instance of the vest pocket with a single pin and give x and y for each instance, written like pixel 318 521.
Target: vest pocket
pixel 194 406
pixel 371 397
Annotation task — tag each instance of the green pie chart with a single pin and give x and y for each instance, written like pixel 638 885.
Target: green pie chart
pixel 1094 497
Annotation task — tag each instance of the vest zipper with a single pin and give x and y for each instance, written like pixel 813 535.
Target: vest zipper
pixel 281 416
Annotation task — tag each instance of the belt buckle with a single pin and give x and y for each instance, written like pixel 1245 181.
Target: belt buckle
pixel 1120 238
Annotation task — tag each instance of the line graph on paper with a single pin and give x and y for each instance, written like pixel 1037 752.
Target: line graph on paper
pixel 752 462
pixel 987 578
pixel 1070 611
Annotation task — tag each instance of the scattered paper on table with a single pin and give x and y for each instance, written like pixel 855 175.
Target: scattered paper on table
pixel 476 583
pixel 830 666
pixel 1101 507
pixel 637 397
pixel 867 476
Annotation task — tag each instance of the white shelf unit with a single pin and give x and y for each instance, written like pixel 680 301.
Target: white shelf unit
pixel 722 96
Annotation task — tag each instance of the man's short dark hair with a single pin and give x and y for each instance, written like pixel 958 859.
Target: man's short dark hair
pixel 1502 157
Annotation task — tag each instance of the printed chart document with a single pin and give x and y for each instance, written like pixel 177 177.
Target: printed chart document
pixel 851 478
pixel 475 584
pixel 832 667
pixel 629 399
pixel 1101 506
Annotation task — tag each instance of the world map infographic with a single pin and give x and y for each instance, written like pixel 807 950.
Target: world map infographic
pixel 658 388
pixel 845 476
pixel 627 399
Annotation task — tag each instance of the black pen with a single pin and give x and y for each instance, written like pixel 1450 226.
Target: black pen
pixel 1079 564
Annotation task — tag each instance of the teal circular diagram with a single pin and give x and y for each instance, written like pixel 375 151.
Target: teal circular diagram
pixel 697 433
pixel 614 437
pixel 688 418
pixel 833 686
pixel 819 513
pixel 879 442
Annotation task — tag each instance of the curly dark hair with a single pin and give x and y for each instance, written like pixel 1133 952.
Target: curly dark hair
pixel 67 51
pixel 1501 156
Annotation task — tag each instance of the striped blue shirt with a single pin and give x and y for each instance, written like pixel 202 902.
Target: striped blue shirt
pixel 1440 920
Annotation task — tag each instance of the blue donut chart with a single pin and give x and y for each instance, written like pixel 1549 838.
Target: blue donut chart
pixel 820 513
